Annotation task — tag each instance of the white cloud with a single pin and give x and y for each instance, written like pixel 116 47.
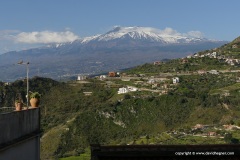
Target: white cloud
pixel 172 32
pixel 45 37
pixel 169 31
pixel 195 34
pixel 191 34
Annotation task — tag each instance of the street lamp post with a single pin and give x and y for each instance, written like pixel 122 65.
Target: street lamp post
pixel 26 63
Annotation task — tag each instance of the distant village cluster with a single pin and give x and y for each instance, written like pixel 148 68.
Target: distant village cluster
pixel 202 130
pixel 160 84
pixel 211 130
pixel 136 82
pixel 222 58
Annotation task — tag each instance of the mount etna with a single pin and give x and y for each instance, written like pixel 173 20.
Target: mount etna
pixel 120 48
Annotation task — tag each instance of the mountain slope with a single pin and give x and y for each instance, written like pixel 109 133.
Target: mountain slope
pixel 120 48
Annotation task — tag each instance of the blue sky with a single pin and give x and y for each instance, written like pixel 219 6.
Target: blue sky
pixel 71 19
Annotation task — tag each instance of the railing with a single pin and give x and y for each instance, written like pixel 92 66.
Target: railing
pixel 6 109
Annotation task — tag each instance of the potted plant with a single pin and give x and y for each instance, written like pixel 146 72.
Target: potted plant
pixel 18 105
pixel 35 99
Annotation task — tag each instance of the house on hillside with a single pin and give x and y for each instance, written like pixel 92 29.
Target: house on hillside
pixel 232 62
pixel 125 79
pixel 211 134
pixel 213 72
pixel 111 74
pixel 214 55
pixel 196 55
pixel 151 81
pixel 175 80
pixel 102 77
pixel 123 90
pixel 198 126
pixel 201 72
pixel 87 93
pixel 132 89
pixel 157 63
pixel 184 61
pixel 81 77
pixel 7 83
pixel 238 79
pixel 127 89
pixel 235 46
pixel 189 56
pixel 230 127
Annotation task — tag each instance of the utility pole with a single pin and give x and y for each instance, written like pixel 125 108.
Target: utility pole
pixel 26 63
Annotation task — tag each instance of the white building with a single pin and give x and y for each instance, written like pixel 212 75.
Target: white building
pixel 126 79
pixel 232 62
pixel 214 54
pixel 151 81
pixel 213 72
pixel 196 55
pixel 81 77
pixel 102 77
pixel 6 83
pixel 87 93
pixel 132 89
pixel 175 80
pixel 201 72
pixel 123 90
pixel 127 89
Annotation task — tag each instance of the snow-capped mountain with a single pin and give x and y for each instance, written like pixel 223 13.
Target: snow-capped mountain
pixel 167 36
pixel 136 37
pixel 120 48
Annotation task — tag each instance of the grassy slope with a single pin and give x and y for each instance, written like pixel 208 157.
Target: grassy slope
pixel 148 116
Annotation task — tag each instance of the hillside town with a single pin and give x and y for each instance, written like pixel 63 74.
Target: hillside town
pixel 132 83
pixel 160 83
pixel 215 55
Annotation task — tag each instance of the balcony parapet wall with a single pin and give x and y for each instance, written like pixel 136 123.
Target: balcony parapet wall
pixel 18 124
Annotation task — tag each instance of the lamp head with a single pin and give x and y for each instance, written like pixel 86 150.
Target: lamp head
pixel 20 62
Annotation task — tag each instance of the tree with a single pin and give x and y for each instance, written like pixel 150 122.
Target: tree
pixel 228 137
pixel 127 96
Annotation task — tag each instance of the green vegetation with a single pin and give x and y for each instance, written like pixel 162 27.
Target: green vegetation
pixel 17 90
pixel 35 95
pixel 71 120
pixel 84 156
pixel 75 121
pixel 178 66
pixel 231 49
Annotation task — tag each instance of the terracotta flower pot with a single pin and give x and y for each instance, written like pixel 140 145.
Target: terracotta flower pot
pixel 18 106
pixel 34 102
